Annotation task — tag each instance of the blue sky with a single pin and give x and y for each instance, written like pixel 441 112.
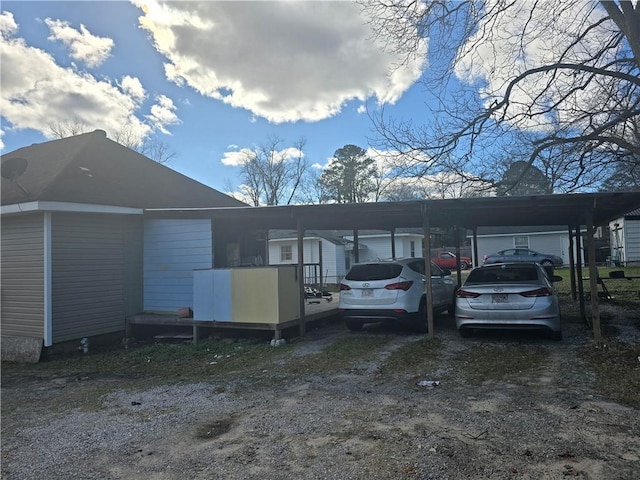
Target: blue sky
pixel 206 78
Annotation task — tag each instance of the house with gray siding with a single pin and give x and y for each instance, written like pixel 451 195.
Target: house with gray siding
pixel 548 239
pixel 73 238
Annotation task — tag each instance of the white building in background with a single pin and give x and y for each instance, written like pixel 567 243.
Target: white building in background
pixel 625 239
pixel 552 239
pixel 331 253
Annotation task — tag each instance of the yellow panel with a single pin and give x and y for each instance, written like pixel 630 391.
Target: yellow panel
pixel 260 296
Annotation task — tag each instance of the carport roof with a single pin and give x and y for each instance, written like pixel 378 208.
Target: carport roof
pixel 562 210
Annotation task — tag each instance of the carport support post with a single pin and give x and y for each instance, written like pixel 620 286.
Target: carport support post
pixel 593 280
pixel 458 269
pixel 393 243
pixel 303 320
pixel 356 247
pixel 583 313
pixel 572 265
pixel 427 273
pixel 476 260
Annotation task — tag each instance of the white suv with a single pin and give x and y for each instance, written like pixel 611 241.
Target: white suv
pixel 393 290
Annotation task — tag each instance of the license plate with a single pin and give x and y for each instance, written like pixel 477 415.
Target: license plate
pixel 367 292
pixel 499 298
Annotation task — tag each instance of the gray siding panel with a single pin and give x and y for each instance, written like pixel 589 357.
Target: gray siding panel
pixel 87 275
pixel 22 275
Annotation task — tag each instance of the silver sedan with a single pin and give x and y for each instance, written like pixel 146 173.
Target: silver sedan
pixel 508 296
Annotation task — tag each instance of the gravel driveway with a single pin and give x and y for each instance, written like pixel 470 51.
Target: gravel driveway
pixel 362 422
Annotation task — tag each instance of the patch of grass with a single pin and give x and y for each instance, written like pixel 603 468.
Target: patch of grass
pixel 617 369
pixel 624 290
pixel 169 361
pixel 494 362
pixel 415 359
pixel 339 356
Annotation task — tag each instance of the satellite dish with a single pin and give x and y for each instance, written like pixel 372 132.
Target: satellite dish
pixel 13 168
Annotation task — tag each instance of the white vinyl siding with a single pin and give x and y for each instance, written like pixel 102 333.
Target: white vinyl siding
pixel 87 275
pixel 172 250
pixel 22 275
pixel 632 239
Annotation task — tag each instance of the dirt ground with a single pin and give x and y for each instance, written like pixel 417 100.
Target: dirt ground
pixel 541 417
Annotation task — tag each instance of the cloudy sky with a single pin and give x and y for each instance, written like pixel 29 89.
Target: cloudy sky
pixel 211 78
pixel 206 78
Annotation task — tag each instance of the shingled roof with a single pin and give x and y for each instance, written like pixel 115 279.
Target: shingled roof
pixel 91 169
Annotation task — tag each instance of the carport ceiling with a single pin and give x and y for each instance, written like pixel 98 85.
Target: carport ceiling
pixel 565 210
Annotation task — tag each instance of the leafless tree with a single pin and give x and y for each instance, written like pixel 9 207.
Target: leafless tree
pixel 148 146
pixel 273 174
pixel 565 73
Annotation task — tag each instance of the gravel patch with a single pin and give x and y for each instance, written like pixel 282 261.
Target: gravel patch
pixel 544 423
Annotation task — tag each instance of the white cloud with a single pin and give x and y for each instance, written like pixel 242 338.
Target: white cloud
pixel 163 114
pixel 131 86
pixel 519 40
pixel 37 93
pixel 236 158
pixel 282 61
pixel 84 46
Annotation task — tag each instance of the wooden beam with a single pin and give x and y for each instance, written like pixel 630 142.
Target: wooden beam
pixel 427 273
pixel 572 266
pixel 476 260
pixel 593 280
pixel 393 243
pixel 303 320
pixel 581 299
pixel 356 247
pixel 458 269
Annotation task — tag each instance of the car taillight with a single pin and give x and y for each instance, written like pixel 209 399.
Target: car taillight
pixel 538 292
pixel 484 258
pixel 399 286
pixel 344 287
pixel 466 294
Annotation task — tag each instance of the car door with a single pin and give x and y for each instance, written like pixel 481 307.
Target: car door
pixel 437 286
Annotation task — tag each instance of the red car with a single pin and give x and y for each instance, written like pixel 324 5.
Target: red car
pixel 448 260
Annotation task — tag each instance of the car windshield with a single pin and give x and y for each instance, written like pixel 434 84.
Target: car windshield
pixel 504 274
pixel 374 271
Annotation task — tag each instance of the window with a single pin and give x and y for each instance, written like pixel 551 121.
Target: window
pixel 286 253
pixel 413 248
pixel 521 242
pixel 417 266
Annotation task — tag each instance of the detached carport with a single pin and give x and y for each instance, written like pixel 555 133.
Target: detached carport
pixel 568 210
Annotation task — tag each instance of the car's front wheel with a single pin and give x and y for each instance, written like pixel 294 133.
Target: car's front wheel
pixel 354 326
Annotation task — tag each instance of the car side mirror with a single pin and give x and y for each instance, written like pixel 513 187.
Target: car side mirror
pixel 556 278
pixel 446 272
